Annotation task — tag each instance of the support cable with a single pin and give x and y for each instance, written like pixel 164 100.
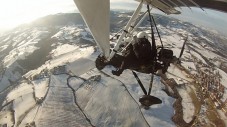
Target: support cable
pixel 157 30
pixel 154 50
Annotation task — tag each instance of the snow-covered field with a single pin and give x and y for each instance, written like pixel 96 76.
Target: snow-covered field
pixel 104 100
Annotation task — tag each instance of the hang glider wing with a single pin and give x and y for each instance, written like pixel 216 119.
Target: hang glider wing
pixel 96 15
pixel 161 5
pixel 168 6
pixel 220 5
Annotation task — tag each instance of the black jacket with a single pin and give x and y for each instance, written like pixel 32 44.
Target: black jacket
pixel 142 50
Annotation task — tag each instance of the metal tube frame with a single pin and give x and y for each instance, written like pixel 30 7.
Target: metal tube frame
pixel 131 32
pixel 134 16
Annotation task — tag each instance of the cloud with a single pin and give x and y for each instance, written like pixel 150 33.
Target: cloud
pixel 15 12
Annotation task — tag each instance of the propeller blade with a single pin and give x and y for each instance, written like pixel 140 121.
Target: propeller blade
pixel 183 47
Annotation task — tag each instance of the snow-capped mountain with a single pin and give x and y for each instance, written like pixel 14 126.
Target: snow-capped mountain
pixel 48 77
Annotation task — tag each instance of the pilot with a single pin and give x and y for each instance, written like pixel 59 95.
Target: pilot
pixel 137 54
pixel 142 48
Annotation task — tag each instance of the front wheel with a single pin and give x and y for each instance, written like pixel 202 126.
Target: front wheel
pixel 148 100
pixel 100 62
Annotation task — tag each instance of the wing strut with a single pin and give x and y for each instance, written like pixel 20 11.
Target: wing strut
pixel 133 27
pixel 140 83
pixel 125 31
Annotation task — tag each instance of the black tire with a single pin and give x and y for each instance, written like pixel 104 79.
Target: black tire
pixel 100 62
pixel 148 100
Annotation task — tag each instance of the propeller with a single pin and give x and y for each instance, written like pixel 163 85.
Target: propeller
pixel 182 50
pixel 183 47
pixel 176 60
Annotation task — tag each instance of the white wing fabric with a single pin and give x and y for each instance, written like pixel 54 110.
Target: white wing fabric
pixel 161 5
pixel 168 6
pixel 96 14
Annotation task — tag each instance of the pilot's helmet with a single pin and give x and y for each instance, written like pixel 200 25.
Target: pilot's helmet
pixel 142 35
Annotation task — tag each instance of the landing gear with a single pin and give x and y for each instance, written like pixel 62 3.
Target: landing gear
pixel 100 62
pixel 148 100
pixel 115 61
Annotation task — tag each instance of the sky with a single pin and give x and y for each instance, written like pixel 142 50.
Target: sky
pixel 16 12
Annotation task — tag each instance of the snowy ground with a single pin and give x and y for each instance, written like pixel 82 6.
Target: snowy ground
pixel 105 101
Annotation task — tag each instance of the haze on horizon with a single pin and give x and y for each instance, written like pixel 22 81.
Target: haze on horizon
pixel 14 12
